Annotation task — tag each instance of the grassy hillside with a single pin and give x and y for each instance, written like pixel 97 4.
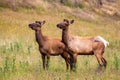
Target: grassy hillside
pixel 19 55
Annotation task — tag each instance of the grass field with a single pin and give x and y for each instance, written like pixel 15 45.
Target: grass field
pixel 21 60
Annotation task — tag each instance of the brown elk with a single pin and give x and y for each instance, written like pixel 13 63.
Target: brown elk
pixel 76 45
pixel 48 46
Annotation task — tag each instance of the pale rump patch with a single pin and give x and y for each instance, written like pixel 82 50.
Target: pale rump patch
pixel 106 43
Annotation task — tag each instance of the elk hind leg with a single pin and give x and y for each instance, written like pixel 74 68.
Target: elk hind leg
pixel 104 62
pixel 100 61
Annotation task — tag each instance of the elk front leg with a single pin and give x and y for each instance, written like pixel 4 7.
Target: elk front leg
pixel 43 61
pixel 48 61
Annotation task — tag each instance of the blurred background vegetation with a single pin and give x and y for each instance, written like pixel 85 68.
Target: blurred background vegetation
pixel 84 7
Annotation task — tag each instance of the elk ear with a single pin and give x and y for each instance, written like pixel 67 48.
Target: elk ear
pixel 72 21
pixel 44 22
pixel 37 21
pixel 65 20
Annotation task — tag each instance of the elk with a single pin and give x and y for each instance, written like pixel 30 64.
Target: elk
pixel 76 45
pixel 48 46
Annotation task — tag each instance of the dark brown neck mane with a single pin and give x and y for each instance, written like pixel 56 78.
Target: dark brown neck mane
pixel 39 37
pixel 65 36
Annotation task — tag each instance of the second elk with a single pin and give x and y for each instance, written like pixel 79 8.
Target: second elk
pixel 76 45
pixel 48 46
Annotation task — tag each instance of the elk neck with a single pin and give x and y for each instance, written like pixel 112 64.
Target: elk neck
pixel 39 37
pixel 65 36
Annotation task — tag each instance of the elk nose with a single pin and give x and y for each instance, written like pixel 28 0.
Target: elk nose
pixel 57 25
pixel 29 25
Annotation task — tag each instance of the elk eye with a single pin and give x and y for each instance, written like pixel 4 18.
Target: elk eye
pixel 59 47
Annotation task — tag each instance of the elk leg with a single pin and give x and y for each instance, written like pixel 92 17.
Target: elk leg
pixel 74 62
pixel 71 67
pixel 67 64
pixel 43 61
pixel 71 62
pixel 66 60
pixel 48 60
pixel 99 59
pixel 104 62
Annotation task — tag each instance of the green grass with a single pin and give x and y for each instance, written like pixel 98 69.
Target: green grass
pixel 21 60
